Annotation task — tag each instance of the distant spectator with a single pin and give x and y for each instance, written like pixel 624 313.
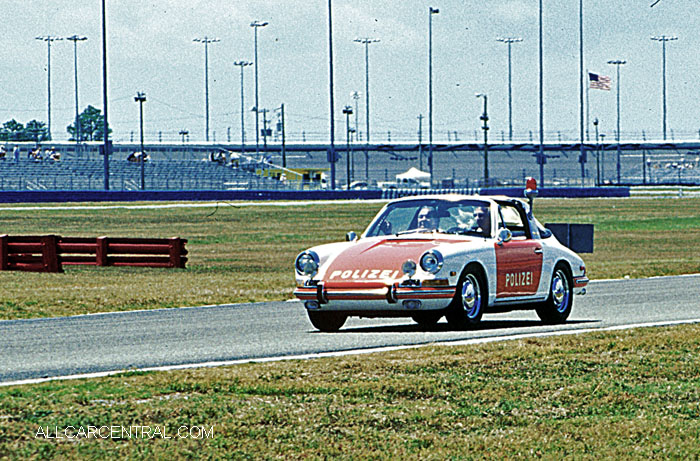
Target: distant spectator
pixel 35 154
pixel 218 157
pixel 15 151
pixel 3 152
pixel 138 157
pixel 54 156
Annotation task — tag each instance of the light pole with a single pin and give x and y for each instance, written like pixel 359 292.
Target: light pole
pixel 366 42
pixel 184 134
pixel 582 152
pixel 331 151
pixel 663 39
pixel 141 98
pixel 485 118
pixel 347 110
pixel 48 39
pixel 75 39
pixel 597 153
pixel 602 157
pixel 255 25
pixel 509 41
pixel 242 65
pixel 356 97
pixel 206 40
pixel 431 12
pixel 106 148
pixel 284 145
pixel 617 63
pixel 541 159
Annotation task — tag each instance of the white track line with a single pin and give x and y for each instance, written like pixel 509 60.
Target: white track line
pixel 466 342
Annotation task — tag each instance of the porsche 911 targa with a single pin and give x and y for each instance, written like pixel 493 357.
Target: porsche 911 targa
pixel 456 256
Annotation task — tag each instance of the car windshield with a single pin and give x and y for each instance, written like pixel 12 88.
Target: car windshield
pixel 466 217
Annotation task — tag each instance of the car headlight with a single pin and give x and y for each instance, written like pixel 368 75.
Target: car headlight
pixel 307 263
pixel 431 261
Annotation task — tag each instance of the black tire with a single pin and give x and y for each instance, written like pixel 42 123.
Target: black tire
pixel 327 321
pixel 427 319
pixel 470 300
pixel 557 307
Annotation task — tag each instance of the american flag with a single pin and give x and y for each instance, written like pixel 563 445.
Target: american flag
pixel 599 82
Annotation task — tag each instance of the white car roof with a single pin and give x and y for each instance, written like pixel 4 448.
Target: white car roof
pixel 455 198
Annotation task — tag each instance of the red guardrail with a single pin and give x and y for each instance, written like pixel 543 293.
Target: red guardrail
pixel 48 253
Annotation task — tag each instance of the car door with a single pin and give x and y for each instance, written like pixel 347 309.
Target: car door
pixel 518 261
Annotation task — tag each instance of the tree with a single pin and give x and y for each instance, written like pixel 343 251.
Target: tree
pixel 14 131
pixel 11 131
pixel 91 125
pixel 36 131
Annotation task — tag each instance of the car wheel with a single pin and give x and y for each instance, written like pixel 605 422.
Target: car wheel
pixel 327 321
pixel 557 307
pixel 470 300
pixel 427 319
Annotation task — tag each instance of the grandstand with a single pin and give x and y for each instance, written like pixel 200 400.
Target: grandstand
pixel 160 173
pixel 456 165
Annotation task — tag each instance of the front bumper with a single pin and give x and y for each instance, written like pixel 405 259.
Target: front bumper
pixel 371 298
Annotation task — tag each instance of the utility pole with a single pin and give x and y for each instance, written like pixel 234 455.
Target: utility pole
pixel 141 98
pixel 206 40
pixel 48 39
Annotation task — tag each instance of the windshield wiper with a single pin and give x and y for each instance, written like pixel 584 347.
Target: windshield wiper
pixel 418 230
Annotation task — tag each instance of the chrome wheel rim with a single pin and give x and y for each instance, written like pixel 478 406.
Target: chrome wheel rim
pixel 471 296
pixel 560 291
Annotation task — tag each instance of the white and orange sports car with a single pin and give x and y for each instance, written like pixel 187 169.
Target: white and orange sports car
pixel 427 257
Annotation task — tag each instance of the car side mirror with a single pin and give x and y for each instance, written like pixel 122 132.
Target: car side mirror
pixel 350 236
pixel 504 235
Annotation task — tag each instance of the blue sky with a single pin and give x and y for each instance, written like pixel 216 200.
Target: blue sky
pixel 151 49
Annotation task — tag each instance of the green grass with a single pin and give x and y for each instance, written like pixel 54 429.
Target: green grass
pixel 616 395
pixel 245 254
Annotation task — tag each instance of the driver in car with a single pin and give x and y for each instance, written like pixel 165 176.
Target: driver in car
pixel 427 218
pixel 482 223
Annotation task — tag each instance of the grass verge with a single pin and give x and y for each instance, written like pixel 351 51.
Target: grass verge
pixel 615 395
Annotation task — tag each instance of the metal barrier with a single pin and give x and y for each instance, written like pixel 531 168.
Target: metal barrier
pixel 48 253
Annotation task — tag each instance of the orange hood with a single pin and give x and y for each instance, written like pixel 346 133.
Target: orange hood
pixel 376 263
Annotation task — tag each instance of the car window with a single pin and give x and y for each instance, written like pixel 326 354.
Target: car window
pixel 512 220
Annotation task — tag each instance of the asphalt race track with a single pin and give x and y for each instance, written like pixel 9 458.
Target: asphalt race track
pixel 93 345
